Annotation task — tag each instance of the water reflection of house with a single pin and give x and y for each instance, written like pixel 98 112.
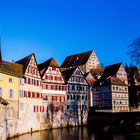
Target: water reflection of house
pixel 111 90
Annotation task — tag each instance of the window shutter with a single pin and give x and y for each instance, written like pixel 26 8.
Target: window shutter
pixel 51 77
pixel 55 77
pixel 34 109
pixel 33 94
pixel 24 93
pixel 46 86
pixel 60 98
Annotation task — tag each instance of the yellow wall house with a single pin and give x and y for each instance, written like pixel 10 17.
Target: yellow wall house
pixel 10 74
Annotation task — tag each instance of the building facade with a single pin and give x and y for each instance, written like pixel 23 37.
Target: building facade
pixel 78 90
pixel 31 108
pixel 10 74
pixel 86 61
pixel 53 89
pixel 111 90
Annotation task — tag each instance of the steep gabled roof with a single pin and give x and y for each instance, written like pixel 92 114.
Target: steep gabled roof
pixel 68 73
pixel 76 59
pixel 49 63
pixel 111 70
pixel 25 61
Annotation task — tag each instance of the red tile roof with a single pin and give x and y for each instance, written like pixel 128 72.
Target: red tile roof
pixel 76 59
pixel 44 66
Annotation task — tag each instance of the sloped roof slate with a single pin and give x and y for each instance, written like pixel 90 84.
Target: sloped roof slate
pixel 76 59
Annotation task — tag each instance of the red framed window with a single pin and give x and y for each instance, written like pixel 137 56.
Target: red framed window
pixel 46 86
pixel 33 94
pixel 37 95
pixel 64 99
pixel 28 80
pixel 46 76
pixel 24 93
pixel 51 77
pixel 56 109
pixel 25 80
pixel 35 109
pixel 60 98
pixel 29 94
pixel 52 98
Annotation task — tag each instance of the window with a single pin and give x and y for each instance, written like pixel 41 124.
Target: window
pixel 41 108
pixel 10 80
pixel 10 114
pixel 1 92
pixel 21 106
pixel 11 93
pixel 53 68
pixel 26 80
pixel 21 81
pixel 21 93
pixel 35 108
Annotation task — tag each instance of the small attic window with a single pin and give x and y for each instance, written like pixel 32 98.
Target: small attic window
pixel 10 80
pixel 77 58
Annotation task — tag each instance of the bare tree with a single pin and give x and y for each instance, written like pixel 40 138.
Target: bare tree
pixel 134 51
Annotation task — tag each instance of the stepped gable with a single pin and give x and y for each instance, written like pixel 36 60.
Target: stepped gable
pixel 68 73
pixel 25 61
pixel 110 70
pixel 49 63
pixel 76 59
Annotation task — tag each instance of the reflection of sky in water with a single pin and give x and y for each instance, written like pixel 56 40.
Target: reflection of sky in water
pixel 70 134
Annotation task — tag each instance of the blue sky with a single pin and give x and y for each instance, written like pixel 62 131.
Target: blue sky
pixel 57 28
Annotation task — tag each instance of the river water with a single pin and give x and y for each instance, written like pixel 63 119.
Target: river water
pixel 76 133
